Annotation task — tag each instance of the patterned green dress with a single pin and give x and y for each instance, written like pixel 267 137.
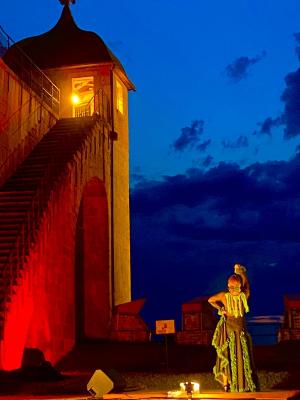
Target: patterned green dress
pixel 234 347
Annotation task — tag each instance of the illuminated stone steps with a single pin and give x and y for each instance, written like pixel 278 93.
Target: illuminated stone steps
pixel 24 197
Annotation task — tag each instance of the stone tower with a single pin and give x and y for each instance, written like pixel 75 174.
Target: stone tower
pixel 87 218
pixel 81 65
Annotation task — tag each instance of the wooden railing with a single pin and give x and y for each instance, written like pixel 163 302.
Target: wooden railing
pixel 29 72
pixel 99 105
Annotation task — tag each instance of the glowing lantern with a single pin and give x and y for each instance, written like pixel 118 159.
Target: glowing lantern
pixel 75 98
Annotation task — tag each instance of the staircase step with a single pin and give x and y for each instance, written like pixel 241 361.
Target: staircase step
pixel 14 202
pixel 24 179
pixel 11 223
pixel 14 206
pixel 10 226
pixel 13 186
pixel 13 281
pixel 6 293
pixel 66 132
pixel 16 193
pixel 35 166
pixel 6 245
pixel 9 202
pixel 29 175
pixel 44 148
pixel 11 275
pixel 5 258
pixel 15 199
pixel 6 235
pixel 9 264
pixel 35 156
pixel 47 141
pixel 59 134
pixel 35 160
pixel 50 155
pixel 14 267
pixel 11 231
pixel 5 253
pixel 10 213
pixel 30 171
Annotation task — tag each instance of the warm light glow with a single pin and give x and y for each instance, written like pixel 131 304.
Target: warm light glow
pixel 196 387
pixel 120 97
pixel 190 387
pixel 75 98
pixel 82 94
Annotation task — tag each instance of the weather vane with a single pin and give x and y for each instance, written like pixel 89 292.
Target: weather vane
pixel 67 2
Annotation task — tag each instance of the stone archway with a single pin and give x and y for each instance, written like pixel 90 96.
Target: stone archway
pixel 92 276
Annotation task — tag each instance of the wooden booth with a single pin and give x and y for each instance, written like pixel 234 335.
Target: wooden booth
pixel 127 324
pixel 290 329
pixel 198 322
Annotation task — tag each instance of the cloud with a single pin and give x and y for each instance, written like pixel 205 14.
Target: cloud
pixel 291 98
pixel 189 229
pixel 290 117
pixel 239 69
pixel 244 198
pixel 203 146
pixel 297 38
pixel 190 136
pixel 207 161
pixel 137 178
pixel 241 141
pixel 268 124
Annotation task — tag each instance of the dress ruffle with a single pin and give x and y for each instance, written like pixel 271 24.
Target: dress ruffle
pixel 234 354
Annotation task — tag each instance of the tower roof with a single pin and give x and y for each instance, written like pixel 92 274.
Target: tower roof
pixel 67 45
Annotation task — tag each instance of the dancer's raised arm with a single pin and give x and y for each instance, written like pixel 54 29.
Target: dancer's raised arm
pixel 241 270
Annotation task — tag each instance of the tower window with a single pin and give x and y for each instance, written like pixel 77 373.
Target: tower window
pixel 82 96
pixel 120 97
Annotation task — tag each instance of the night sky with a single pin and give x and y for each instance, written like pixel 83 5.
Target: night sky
pixel 214 140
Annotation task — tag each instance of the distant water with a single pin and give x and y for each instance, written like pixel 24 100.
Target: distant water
pixel 264 329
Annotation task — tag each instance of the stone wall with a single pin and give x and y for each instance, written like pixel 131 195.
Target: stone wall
pixel 64 292
pixel 23 121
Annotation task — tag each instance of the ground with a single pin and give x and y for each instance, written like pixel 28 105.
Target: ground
pixel 146 368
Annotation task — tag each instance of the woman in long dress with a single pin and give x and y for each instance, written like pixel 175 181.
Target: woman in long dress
pixel 234 367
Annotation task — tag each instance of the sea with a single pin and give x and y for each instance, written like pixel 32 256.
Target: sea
pixel 264 329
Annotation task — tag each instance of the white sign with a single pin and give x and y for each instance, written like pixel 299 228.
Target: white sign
pixel 165 326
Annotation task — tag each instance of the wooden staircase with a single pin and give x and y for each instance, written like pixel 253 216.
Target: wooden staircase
pixel 25 195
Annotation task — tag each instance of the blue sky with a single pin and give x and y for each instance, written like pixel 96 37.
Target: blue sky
pixel 176 53
pixel 214 136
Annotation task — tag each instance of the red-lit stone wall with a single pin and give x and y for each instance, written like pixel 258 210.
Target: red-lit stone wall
pixel 45 312
pixel 79 263
pixel 96 276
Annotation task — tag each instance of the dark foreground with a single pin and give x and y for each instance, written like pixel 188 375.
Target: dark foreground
pixel 146 367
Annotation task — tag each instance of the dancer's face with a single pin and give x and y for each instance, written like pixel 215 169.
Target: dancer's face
pixel 234 288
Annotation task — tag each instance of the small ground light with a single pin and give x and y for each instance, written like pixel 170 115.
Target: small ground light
pixel 190 388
